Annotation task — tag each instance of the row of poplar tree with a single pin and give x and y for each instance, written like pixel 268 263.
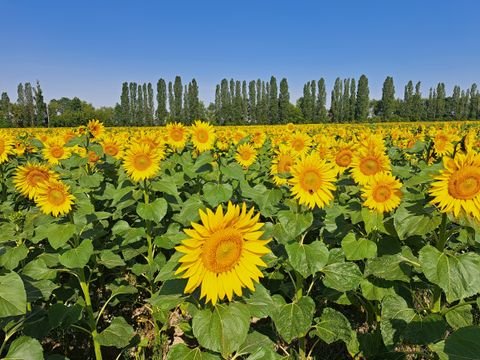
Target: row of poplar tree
pixel 241 102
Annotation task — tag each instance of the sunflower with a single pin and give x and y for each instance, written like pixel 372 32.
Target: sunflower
pixel 367 163
pixel 176 135
pixel 203 135
pixel 246 155
pixel 6 147
pixel 113 147
pixel 223 253
pixel 457 187
pixel 55 151
pixel 141 162
pixel 382 193
pixel 300 143
pixel 96 128
pixel 53 197
pixel 342 158
pixel 29 176
pixel 313 181
pixel 281 164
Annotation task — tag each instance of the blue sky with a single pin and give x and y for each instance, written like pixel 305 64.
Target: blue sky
pixel 88 48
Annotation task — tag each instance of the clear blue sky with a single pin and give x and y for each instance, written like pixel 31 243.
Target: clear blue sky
pixel 88 48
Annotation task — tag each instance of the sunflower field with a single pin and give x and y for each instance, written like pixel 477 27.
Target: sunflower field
pixel 338 241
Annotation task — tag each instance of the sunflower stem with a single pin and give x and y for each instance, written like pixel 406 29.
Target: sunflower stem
pixel 442 237
pixel 91 317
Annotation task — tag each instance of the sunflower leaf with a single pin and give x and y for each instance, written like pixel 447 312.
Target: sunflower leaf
pixel 222 329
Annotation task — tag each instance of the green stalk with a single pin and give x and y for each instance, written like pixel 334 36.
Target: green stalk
pixel 442 238
pixel 91 317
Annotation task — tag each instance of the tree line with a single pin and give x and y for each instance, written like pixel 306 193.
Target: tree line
pixel 245 102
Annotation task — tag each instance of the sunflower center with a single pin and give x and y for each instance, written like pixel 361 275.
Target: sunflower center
pixel 222 251
pixel 36 176
pixel 245 154
pixel 142 162
pixel 176 134
pixel 311 181
pixel 369 166
pixel 381 193
pixel 202 135
pixel 465 183
pixel 111 149
pixel 284 165
pixel 56 197
pixel 298 144
pixel 344 158
pixel 57 152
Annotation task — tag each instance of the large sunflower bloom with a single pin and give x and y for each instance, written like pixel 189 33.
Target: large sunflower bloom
pixel 96 128
pixel 223 253
pixel 457 187
pixel 53 197
pixel 203 136
pixel 55 151
pixel 177 135
pixel 382 193
pixel 313 181
pixel 29 176
pixel 365 164
pixel 246 155
pixel 6 147
pixel 281 164
pixel 141 162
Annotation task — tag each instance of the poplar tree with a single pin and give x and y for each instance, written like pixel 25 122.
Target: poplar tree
pixel 133 103
pixel 407 101
pixel 6 109
pixel 40 106
pixel 363 99
pixel 258 109
pixel 194 102
pixel 186 104
pixel 388 99
pixel 171 101
pixel 177 99
pixel 21 105
pixel 29 105
pixel 252 101
pixel 273 101
pixel 417 104
pixel 351 106
pixel 336 100
pixel 124 105
pixel 237 102
pixel 346 101
pixel 244 101
pixel 321 108
pixel 440 101
pixel 162 113
pixel 456 104
pixel 474 110
pixel 140 106
pixel 225 102
pixel 150 104
pixel 283 102
pixel 313 100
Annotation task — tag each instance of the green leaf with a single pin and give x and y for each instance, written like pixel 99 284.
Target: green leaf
pixel 12 257
pixel 154 211
pixel 189 210
pixel 358 249
pixel 463 344
pixel 410 220
pixel 460 317
pixel 333 326
pixel 13 297
pixel 215 194
pixel 25 348
pixel 182 351
pixel 342 276
pixel 77 257
pixel 118 334
pixel 292 224
pixel 396 315
pixel 260 303
pixel 165 185
pixel 457 275
pixel 38 270
pixel 392 267
pixel 64 316
pixel 254 342
pixel 295 319
pixel 373 220
pixel 110 260
pixel 222 329
pixel 307 259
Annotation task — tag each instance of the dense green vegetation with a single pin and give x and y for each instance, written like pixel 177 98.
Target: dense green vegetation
pixel 242 102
